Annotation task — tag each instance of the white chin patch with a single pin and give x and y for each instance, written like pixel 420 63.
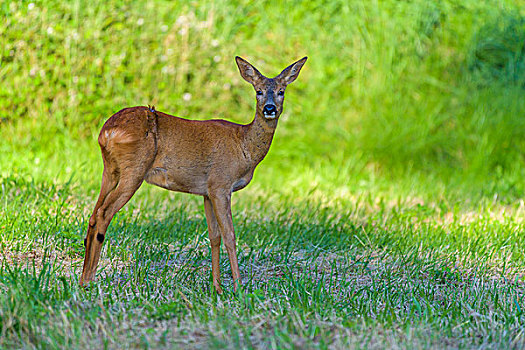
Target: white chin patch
pixel 270 116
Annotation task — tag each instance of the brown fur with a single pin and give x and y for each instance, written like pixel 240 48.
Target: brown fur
pixel 211 158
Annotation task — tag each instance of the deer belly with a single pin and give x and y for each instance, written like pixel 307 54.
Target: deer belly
pixel 242 182
pixel 181 180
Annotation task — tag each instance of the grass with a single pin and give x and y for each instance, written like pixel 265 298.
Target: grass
pixel 373 275
pixel 388 213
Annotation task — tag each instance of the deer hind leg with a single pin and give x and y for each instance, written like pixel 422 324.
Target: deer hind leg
pixel 126 172
pixel 215 242
pixel 128 184
pixel 110 179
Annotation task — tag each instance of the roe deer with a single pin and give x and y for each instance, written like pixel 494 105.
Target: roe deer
pixel 211 158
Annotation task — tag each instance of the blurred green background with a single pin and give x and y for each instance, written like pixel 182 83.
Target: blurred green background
pixel 405 97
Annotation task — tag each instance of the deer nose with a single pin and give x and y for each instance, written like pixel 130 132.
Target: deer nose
pixel 269 109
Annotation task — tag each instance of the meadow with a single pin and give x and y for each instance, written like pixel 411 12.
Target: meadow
pixel 387 214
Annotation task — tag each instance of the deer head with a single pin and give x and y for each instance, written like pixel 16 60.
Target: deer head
pixel 269 91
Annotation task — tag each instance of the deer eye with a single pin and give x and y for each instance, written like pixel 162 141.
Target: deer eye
pixel 259 93
pixel 280 93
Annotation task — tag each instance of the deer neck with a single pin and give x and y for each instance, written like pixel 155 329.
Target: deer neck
pixel 258 138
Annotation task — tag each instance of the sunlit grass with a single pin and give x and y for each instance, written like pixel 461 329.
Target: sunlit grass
pixel 418 274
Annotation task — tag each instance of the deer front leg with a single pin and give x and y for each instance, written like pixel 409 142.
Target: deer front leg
pixel 221 202
pixel 215 241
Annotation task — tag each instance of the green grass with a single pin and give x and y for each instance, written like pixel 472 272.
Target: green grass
pixel 388 213
pixel 370 275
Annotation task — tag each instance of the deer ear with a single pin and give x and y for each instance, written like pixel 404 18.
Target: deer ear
pixel 290 73
pixel 248 72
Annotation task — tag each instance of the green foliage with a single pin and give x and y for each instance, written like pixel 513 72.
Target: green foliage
pixel 499 51
pixel 392 90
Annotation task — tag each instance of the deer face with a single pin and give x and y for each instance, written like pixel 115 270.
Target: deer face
pixel 269 92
